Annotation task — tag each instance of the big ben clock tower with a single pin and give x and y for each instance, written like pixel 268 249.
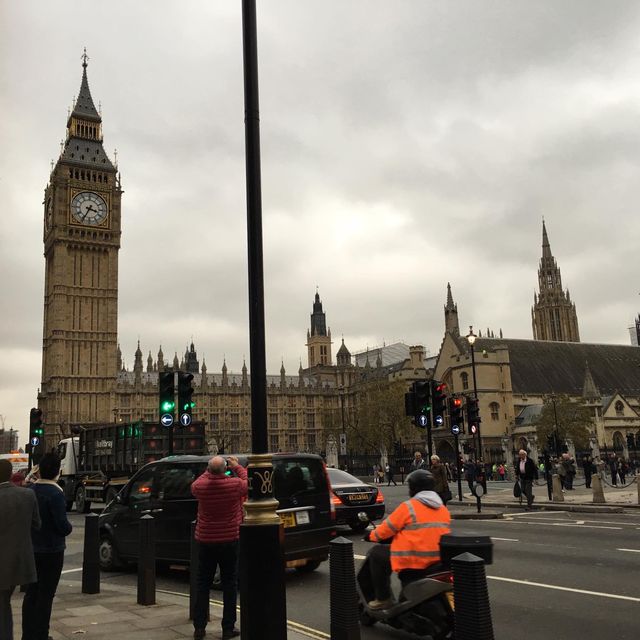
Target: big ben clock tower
pixel 81 244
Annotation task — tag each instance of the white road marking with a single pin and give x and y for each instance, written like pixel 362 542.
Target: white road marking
pixel 72 570
pixel 359 557
pixel 505 539
pixel 582 526
pixel 631 550
pixel 558 588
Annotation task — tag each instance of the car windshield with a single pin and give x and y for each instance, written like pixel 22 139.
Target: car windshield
pixel 336 476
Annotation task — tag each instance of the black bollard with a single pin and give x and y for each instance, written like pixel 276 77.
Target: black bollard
pixel 147 562
pixel 343 599
pixel 471 596
pixel 91 554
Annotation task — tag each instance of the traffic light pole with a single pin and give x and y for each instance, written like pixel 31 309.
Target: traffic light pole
pixel 456 440
pixel 475 395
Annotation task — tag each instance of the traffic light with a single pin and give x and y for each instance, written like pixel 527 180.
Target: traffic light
pixel 422 395
pixel 455 412
pixel 185 403
pixel 438 399
pixel 410 403
pixel 473 414
pixel 36 430
pixel 167 396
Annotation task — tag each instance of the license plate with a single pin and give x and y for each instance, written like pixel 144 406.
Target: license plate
pixel 302 517
pixel 359 497
pixel 449 595
pixel 288 519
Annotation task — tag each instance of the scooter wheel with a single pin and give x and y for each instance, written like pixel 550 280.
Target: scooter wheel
pixel 365 619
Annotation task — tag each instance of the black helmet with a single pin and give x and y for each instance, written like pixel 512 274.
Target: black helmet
pixel 420 480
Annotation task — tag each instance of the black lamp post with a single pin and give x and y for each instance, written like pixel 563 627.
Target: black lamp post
pixel 262 587
pixel 556 430
pixel 471 338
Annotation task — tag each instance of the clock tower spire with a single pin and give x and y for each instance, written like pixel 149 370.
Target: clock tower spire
pixel 81 244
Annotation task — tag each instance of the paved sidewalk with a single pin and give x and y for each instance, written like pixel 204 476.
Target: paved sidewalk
pixel 500 494
pixel 114 613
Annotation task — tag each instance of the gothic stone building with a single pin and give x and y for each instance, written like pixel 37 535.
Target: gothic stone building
pixel 516 377
pixel 83 377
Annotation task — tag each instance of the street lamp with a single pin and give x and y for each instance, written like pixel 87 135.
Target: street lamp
pixel 262 585
pixel 471 338
pixel 555 422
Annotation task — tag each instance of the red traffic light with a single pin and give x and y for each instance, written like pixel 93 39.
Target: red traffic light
pixel 457 402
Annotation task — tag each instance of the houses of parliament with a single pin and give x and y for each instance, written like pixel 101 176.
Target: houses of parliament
pixel 84 380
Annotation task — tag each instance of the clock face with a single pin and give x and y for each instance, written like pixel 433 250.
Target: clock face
pixel 88 208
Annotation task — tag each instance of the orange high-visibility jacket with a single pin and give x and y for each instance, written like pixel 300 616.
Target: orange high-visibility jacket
pixel 416 530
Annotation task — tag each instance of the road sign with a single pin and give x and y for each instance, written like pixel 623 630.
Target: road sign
pixel 185 419
pixel 439 420
pixel 166 419
pixel 343 444
pixel 423 420
pixel 455 429
pixel 35 441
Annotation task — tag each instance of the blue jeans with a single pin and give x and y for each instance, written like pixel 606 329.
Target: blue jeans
pixel 210 556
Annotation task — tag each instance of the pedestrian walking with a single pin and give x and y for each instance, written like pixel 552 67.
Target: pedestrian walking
pixel 220 499
pixel 589 469
pixel 375 474
pixel 622 470
pixel 48 550
pixel 613 468
pixel 470 473
pixel 501 471
pixel 526 472
pixel 19 509
pixel 418 462
pixel 439 473
pixel 389 473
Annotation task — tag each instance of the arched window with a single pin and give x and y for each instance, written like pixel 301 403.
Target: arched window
pixel 464 378
pixel 494 407
pixel 619 408
pixel 618 441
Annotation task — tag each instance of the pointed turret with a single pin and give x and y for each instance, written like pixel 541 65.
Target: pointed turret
pixel 343 356
pixel 318 338
pixel 119 358
pixel 149 363
pixel 451 324
pixel 245 378
pixel 160 359
pixel 283 379
pixel 589 390
pixel 137 365
pixel 225 377
pixel 83 145
pixel 553 315
pixel 176 363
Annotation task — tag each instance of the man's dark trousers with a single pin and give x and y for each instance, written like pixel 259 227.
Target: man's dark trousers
pixel 210 556
pixel 38 600
pixel 379 558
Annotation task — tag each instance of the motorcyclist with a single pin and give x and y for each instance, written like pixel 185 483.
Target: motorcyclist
pixel 415 528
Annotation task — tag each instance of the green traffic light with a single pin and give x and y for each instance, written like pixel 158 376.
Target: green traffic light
pixel 167 406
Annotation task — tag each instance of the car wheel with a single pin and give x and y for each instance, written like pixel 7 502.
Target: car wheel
pixel 109 559
pixel 358 526
pixel 82 504
pixel 311 565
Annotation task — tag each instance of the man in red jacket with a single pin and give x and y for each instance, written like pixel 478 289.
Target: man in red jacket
pixel 220 498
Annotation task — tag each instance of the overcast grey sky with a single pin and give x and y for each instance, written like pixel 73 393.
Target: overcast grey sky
pixel 405 145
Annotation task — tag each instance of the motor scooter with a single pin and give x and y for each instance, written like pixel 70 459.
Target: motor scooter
pixel 424 606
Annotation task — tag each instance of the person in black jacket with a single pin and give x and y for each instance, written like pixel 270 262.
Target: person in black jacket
pixel 48 548
pixel 526 472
